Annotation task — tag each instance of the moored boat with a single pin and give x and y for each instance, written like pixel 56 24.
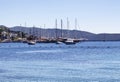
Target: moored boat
pixel 58 42
pixel 69 41
pixel 31 42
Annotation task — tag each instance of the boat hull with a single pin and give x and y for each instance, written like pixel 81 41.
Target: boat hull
pixel 31 43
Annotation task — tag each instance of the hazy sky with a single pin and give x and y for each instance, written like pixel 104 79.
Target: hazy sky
pixel 98 16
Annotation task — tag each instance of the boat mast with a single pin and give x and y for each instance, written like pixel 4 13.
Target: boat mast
pixel 61 28
pixel 45 35
pixel 75 27
pixel 56 28
pixel 68 27
pixel 75 23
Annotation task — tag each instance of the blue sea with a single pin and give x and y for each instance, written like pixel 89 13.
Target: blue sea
pixel 82 62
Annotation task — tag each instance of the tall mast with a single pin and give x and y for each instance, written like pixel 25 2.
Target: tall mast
pixel 75 27
pixel 56 28
pixel 61 28
pixel 45 35
pixel 75 23
pixel 67 27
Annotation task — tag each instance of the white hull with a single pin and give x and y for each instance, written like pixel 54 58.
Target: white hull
pixel 69 42
pixel 31 42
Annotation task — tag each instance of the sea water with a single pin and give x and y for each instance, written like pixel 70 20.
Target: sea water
pixel 82 62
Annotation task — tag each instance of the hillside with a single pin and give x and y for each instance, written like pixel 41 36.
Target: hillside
pixel 66 33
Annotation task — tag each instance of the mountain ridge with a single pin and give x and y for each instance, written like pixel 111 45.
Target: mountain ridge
pixel 51 32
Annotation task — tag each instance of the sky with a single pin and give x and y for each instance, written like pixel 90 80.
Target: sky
pixel 97 16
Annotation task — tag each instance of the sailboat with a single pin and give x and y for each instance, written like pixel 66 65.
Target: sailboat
pixel 31 38
pixel 69 41
pixel 31 42
pixel 58 40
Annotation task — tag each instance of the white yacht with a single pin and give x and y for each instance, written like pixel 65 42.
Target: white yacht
pixel 31 42
pixel 69 41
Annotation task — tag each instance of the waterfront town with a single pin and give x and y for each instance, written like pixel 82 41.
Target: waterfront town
pixel 7 35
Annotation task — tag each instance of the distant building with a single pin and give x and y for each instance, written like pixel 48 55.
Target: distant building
pixel 4 35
